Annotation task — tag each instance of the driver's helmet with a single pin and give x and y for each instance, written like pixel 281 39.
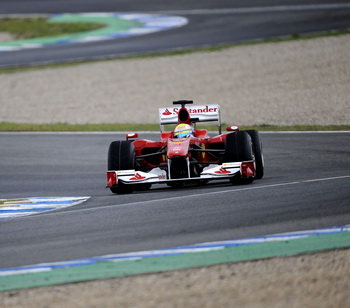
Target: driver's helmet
pixel 183 131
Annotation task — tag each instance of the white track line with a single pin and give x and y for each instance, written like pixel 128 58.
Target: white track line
pixel 234 190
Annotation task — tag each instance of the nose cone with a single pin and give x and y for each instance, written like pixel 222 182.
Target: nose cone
pixel 178 147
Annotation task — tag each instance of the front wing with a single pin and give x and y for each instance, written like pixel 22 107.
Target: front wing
pixel 158 176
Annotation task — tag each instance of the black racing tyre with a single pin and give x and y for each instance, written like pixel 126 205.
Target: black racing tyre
pixel 238 147
pixel 258 153
pixel 121 156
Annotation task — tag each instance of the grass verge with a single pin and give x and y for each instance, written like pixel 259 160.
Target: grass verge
pixel 64 127
pixel 26 28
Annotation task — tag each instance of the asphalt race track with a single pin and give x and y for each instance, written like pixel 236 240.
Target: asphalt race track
pixel 306 186
pixel 209 23
pixel 307 174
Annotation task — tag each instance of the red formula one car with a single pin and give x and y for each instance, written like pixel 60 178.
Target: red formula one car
pixel 185 155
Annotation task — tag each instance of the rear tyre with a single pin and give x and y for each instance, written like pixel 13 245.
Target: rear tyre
pixel 238 147
pixel 121 156
pixel 258 153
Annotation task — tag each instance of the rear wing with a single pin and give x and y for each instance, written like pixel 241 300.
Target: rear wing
pixel 198 113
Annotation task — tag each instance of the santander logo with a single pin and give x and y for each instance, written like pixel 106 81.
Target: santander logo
pixel 201 109
pixel 166 112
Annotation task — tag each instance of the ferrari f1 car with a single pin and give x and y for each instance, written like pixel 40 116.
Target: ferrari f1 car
pixel 185 155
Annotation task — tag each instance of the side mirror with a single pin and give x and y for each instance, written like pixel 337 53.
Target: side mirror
pixel 233 128
pixel 132 136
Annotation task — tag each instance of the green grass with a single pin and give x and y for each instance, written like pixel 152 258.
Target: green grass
pixel 26 28
pixel 63 127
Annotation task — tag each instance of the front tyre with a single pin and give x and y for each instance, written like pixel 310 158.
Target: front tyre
pixel 238 147
pixel 258 153
pixel 121 156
